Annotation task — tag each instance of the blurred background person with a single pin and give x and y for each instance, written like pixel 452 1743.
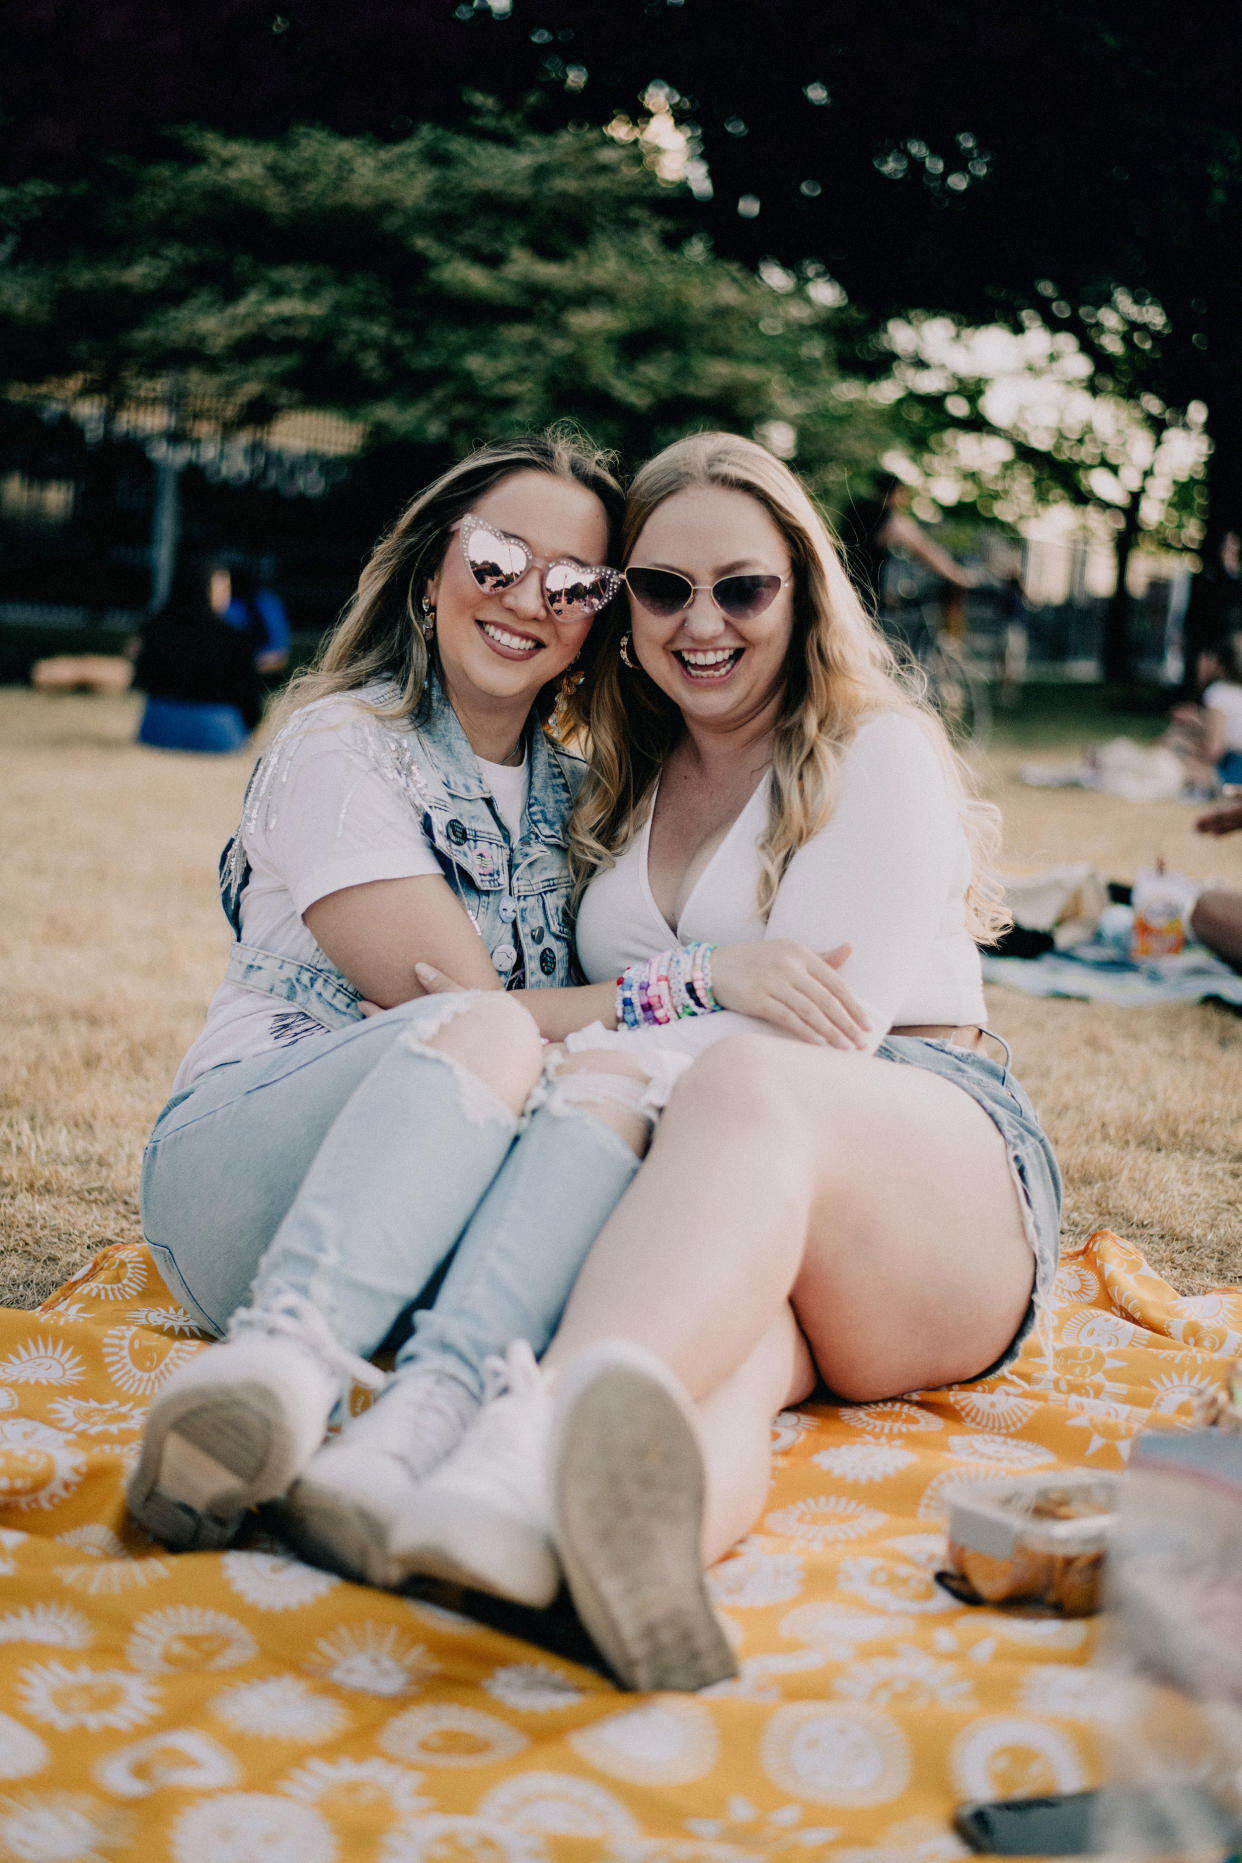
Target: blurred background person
pixel 197 667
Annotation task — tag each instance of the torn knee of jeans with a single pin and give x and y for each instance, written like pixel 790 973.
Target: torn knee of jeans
pixel 480 1104
pixel 642 1088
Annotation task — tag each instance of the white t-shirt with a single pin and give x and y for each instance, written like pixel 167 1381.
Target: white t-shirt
pixel 327 815
pixel 887 873
pixel 1223 696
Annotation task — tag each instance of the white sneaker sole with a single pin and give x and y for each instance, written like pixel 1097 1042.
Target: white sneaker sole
pixel 628 1486
pixel 456 1535
pixel 209 1455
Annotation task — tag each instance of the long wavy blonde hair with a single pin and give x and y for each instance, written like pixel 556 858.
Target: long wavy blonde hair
pixel 379 637
pixel 839 672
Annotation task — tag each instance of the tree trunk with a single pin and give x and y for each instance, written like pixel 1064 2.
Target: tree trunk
pixel 1118 651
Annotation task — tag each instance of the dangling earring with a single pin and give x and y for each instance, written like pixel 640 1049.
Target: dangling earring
pixel 427 619
pixel 624 651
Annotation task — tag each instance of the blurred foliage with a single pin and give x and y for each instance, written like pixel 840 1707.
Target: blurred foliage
pixel 455 285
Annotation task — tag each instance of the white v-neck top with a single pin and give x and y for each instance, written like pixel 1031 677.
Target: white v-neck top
pixel 887 873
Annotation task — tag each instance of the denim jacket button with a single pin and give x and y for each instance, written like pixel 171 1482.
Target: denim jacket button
pixel 456 831
pixel 504 957
pixel 507 909
pixel 547 962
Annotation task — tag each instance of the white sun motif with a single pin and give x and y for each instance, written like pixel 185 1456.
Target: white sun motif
pixel 181 1757
pixel 1056 1633
pixel 1005 1756
pixel 276 1581
pixel 833 1755
pixel 1181 1397
pixel 998 1453
pixel 47 1623
pixel 39 1465
pixel 252 1827
pixel 8 1399
pixel 440 1617
pixel 943 1489
pixel 139 1361
pixel 118 1277
pixel 1216 1320
pixel 835 1630
pixel 22 1753
pixel 756 1578
pixel 43 1361
pixel 374 1658
pixel 438 1838
pixel 63 1827
pixel 1075 1285
pixel 758 1677
pixel 94 1416
pixel 861 1462
pixel 186 1637
pixel 92 1699
pixel 1074 1691
pixel 555 1804
pixel 925 1549
pixel 532 1687
pixel 825 1520
pixel 889 1419
pixel 668 1741
pixel 281 1707
pixel 1105 1331
pixel 911 1679
pixel 347 1788
pixel 893 1585
pixel 743 1824
pixel 109 1567
pixel 1004 1408
pixel 789 1428
pixel 442 1734
pixel 169 1320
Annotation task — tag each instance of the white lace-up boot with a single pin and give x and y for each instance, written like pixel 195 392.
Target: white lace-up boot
pixel 359 1487
pixel 482 1518
pixel 628 1487
pixel 238 1423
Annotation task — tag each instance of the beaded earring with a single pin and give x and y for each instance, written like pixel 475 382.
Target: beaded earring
pixel 427 618
pixel 624 651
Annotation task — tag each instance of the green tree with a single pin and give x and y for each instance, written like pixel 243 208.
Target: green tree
pixel 441 289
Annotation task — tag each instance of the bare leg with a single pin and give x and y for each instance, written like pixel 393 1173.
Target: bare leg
pixel 735 1433
pixel 1217 922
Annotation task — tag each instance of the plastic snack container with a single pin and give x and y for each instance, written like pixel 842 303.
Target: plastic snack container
pixel 1034 1539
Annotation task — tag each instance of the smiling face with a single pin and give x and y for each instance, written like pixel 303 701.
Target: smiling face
pixel 723 674
pixel 496 651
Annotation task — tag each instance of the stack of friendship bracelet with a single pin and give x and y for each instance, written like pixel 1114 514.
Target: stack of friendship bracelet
pixel 673 984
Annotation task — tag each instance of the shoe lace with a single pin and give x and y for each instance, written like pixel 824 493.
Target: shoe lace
pixel 516 1372
pixel 295 1317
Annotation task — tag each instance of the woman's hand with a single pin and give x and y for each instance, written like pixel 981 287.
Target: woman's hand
pixel 793 988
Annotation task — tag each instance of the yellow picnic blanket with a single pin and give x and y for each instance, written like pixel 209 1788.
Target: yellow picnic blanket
pixel 241 1707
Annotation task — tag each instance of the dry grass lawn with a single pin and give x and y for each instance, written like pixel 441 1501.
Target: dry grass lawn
pixel 113 941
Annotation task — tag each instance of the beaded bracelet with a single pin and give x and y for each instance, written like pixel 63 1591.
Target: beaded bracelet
pixel 671 985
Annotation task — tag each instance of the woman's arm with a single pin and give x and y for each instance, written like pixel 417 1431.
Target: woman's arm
pixel 378 933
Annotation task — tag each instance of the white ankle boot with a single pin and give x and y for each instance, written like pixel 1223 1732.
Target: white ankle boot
pixel 628 1488
pixel 482 1519
pixel 359 1487
pixel 237 1424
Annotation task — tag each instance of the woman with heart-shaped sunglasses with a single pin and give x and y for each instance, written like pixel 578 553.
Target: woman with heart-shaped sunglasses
pixel 316 1167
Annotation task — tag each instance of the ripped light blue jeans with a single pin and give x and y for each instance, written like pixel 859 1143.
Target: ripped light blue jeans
pixel 351 1167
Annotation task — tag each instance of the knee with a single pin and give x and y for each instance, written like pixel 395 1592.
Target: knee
pixel 614 1088
pixel 744 1080
pixel 495 1038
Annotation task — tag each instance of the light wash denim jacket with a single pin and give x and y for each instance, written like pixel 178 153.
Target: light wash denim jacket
pixel 518 898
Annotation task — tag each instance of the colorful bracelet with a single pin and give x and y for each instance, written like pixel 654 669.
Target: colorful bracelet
pixel 671 985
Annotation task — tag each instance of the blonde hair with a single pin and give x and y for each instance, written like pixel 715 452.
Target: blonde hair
pixel 379 636
pixel 839 673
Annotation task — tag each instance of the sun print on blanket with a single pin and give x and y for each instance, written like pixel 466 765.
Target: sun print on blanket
pixel 280 1707
pixel 95 1416
pixel 349 1788
pixel 374 1658
pixel 82 1697
pixel 1003 1408
pixel 532 1687
pixel 755 1578
pixel 138 1362
pixel 558 1804
pixel 276 1581
pixel 910 1679
pixel 109 1566
pixel 824 1520
pixel 893 1585
pixel 443 1734
pixel 42 1361
pixel 888 1419
pixel 119 1275
pixel 445 1838
pixel 1007 1756
pixel 843 1757
pixel 39 1464
pixel 864 1462
pixel 186 1637
pixel 63 1827
pixel 835 1630
pixel 22 1752
pixel 180 1756
pixel 57 1624
pixel 668 1741
pixel 252 1827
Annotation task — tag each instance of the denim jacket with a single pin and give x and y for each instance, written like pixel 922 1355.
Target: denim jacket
pixel 517 897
